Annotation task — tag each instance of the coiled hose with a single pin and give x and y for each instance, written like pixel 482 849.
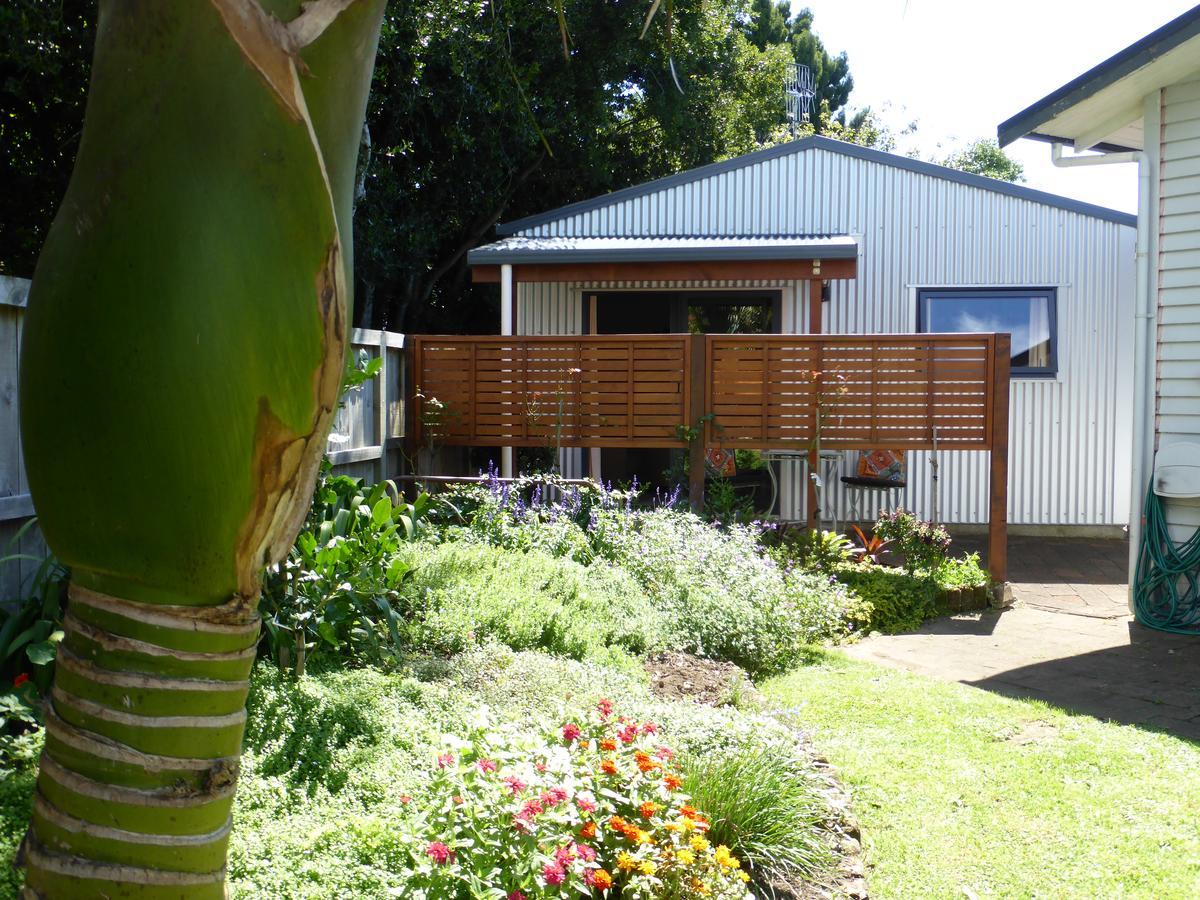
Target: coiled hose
pixel 1166 594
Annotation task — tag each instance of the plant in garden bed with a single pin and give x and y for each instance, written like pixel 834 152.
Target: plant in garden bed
pixel 593 807
pixel 923 544
pixel 338 590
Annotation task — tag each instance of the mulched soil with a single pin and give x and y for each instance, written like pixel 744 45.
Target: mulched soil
pixel 682 677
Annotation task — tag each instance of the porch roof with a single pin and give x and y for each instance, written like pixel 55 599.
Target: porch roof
pixel 524 249
pixel 699 257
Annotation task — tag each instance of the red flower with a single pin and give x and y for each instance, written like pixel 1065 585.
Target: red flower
pixel 571 732
pixel 445 760
pixel 515 784
pixel 439 853
pixel 486 765
pixel 628 734
pixel 554 873
pixel 515 895
pixel 20 679
pixel 605 706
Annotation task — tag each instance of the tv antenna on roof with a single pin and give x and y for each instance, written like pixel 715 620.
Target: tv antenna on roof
pixel 798 93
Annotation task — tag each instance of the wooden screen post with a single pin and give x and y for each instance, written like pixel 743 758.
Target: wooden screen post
pixel 815 325
pixel 697 403
pixel 998 516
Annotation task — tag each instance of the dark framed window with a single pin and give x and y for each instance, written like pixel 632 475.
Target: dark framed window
pixel 1028 314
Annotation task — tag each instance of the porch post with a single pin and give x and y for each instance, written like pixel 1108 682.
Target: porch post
pixel 814 327
pixel 697 403
pixel 506 328
pixel 998 515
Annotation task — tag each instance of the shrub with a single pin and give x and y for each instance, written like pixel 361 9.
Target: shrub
pixel 764 806
pixel 923 544
pixel 725 597
pixel 893 600
pixel 590 807
pixel 812 550
pixel 338 592
pixel 962 572
pixel 461 594
pixel 721 594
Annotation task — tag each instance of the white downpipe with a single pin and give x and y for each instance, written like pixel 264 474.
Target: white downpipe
pixel 506 328
pixel 1143 341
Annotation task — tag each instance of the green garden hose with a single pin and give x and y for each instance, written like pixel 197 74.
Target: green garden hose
pixel 1166 594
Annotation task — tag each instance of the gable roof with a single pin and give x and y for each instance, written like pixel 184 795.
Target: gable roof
pixel 816 142
pixel 1155 65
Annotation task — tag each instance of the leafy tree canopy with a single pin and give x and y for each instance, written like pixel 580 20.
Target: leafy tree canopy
pixel 476 116
pixel 772 24
pixel 984 157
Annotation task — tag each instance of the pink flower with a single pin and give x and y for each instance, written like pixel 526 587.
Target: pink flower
pixel 445 760
pixel 571 732
pixel 586 803
pixel 585 852
pixel 515 895
pixel 515 784
pixel 540 766
pixel 486 765
pixel 554 795
pixel 628 734
pixel 530 809
pixel 605 706
pixel 554 873
pixel 439 852
pixel 664 753
pixel 649 728
pixel 564 855
pixel 405 799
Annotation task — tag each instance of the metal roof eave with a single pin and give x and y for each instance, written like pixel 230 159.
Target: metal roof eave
pixel 1137 55
pixel 822 143
pixel 495 254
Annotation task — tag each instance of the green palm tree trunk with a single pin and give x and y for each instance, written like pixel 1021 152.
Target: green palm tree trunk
pixel 183 348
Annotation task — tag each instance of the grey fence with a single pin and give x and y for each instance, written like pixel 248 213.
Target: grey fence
pixel 367 439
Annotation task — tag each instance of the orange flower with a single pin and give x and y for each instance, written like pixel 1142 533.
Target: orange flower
pixel 644 762
pixel 673 782
pixel 608 745
pixel 648 809
pixel 601 880
pixel 616 823
pixel 588 831
pixel 689 812
pixel 609 767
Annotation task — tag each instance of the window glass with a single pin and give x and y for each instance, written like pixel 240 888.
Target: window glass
pixel 1028 316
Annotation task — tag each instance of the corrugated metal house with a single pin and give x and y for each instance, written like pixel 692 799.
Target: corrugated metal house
pixel 1143 105
pixel 933 249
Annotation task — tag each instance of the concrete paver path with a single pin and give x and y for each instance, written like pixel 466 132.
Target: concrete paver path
pixel 1069 640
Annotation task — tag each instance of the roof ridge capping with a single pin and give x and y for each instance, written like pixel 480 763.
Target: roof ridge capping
pixel 1137 55
pixel 817 142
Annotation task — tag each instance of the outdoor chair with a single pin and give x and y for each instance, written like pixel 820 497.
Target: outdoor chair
pixel 879 472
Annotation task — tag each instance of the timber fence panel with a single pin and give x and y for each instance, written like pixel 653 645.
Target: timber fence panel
pixel 369 428
pixel 570 391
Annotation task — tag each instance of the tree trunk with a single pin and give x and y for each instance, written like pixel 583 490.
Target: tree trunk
pixel 183 348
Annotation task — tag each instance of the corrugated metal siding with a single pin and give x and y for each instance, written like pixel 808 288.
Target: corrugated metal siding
pixel 1178 271
pixel 1069 443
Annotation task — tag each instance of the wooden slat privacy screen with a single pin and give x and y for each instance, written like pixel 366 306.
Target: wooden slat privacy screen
pixel 591 391
pixel 759 391
pixel 871 390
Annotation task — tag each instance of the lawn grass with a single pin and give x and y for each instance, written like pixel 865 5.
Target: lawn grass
pixel 963 793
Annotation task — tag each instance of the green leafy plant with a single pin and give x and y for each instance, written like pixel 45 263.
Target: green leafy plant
pixel 725 504
pixel 812 550
pixel 961 572
pixel 923 544
pixel 893 600
pixel 338 590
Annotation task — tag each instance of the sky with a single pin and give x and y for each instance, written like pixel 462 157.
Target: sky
pixel 959 68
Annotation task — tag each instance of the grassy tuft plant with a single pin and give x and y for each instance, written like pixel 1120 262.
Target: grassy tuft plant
pixel 764 807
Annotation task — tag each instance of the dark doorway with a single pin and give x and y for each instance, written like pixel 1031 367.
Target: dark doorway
pixel 672 312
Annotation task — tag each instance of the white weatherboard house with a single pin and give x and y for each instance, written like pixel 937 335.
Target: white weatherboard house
pixel 1143 106
pixel 929 249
